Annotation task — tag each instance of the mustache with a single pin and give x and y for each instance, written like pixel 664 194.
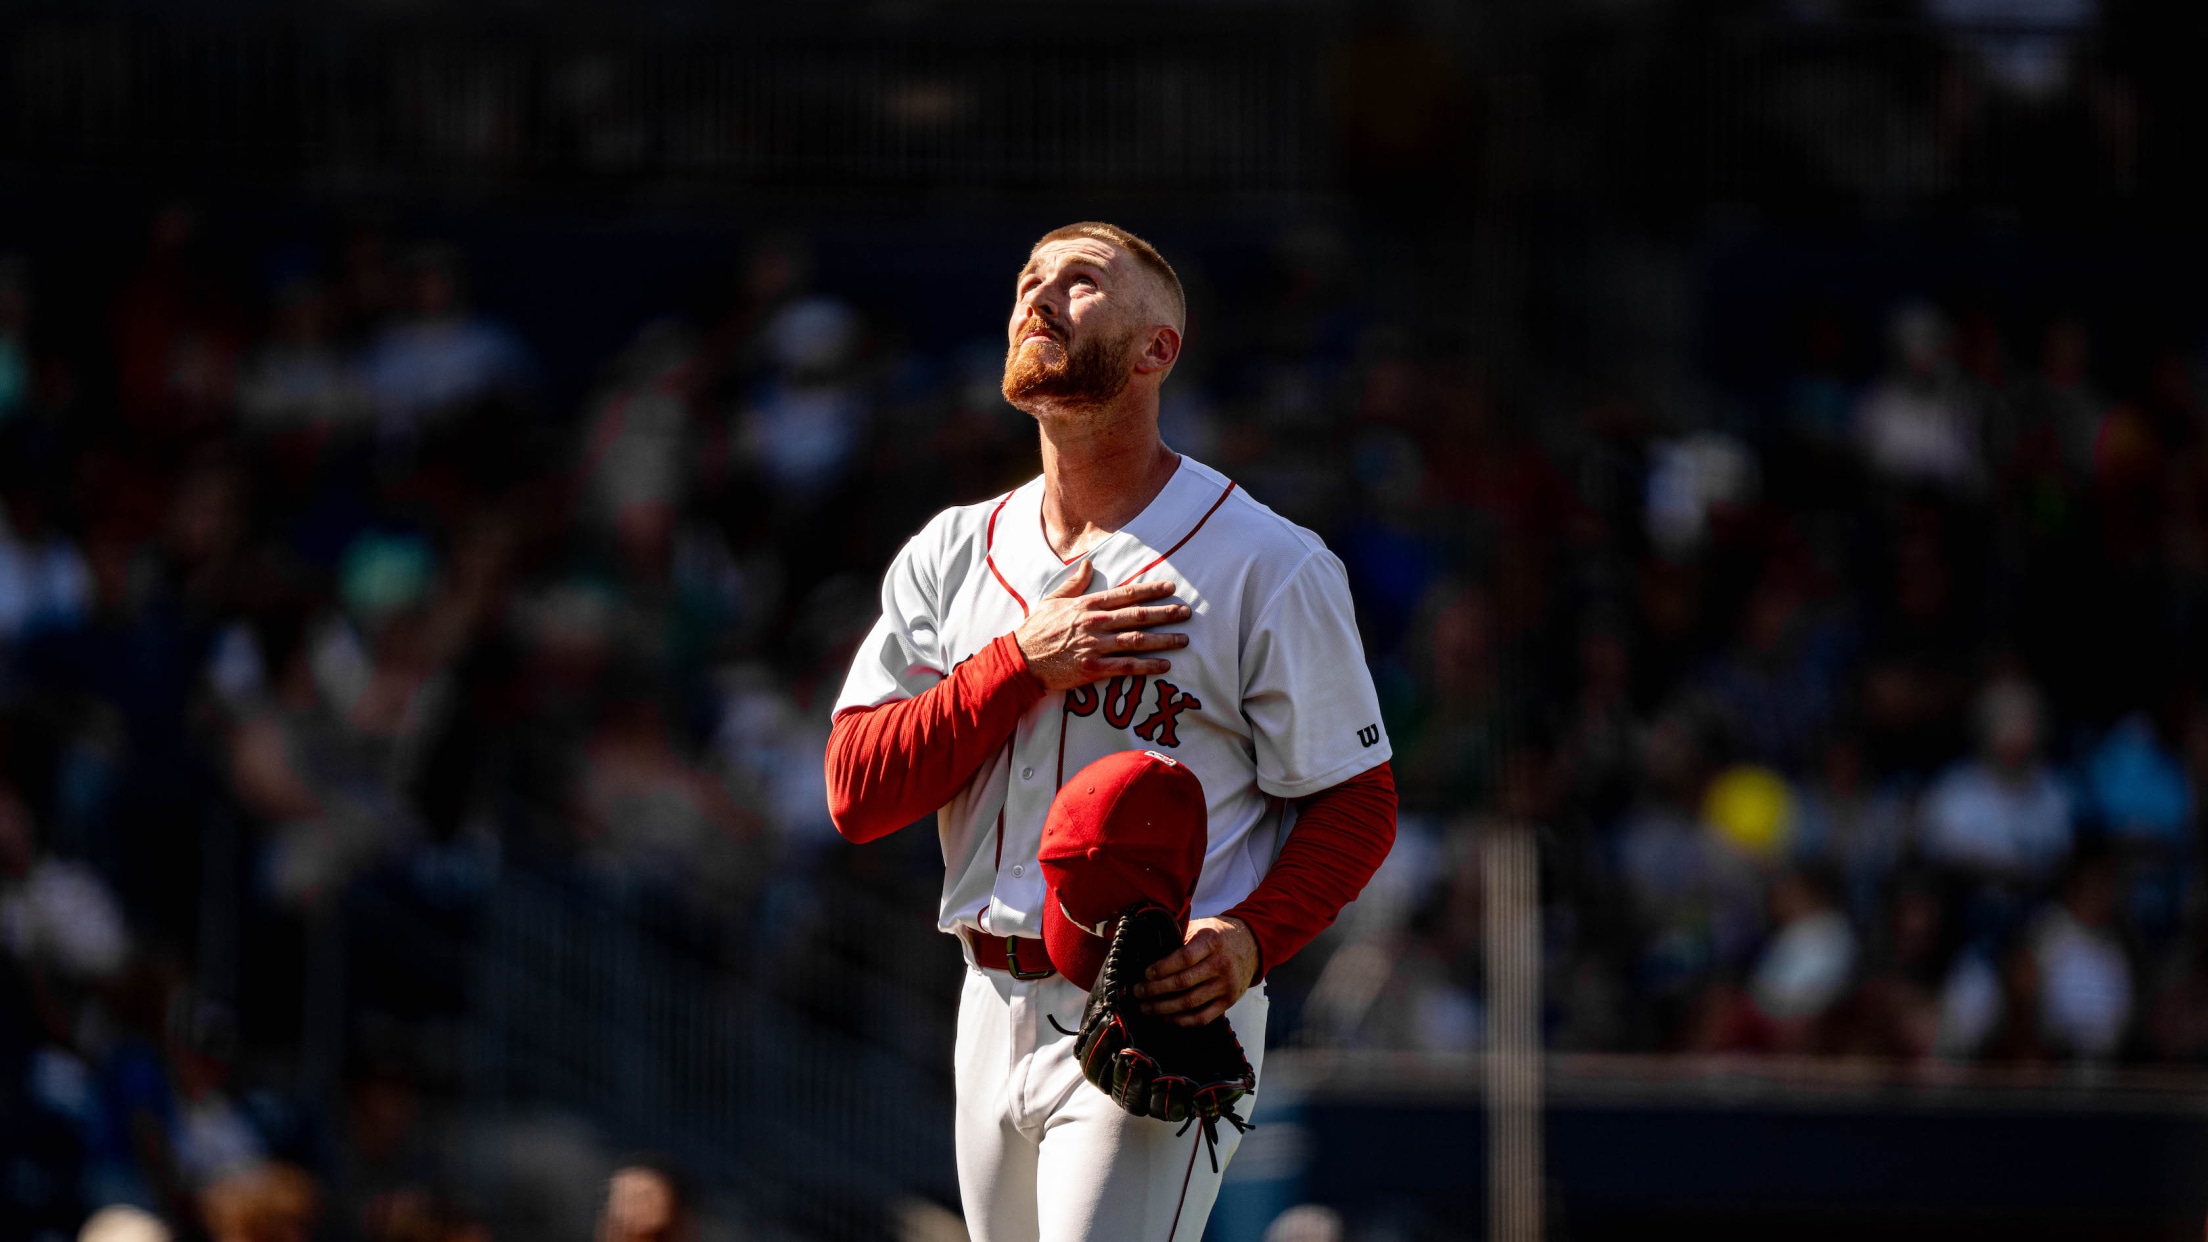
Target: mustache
pixel 1033 323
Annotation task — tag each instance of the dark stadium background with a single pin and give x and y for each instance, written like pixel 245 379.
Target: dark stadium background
pixel 448 455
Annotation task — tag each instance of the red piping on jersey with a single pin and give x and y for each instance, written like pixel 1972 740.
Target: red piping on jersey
pixel 1065 722
pixel 1184 539
pixel 988 553
pixel 1009 759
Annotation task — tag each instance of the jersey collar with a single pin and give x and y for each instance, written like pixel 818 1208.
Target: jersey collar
pixel 1119 556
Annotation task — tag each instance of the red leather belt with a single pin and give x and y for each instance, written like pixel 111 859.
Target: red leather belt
pixel 1021 957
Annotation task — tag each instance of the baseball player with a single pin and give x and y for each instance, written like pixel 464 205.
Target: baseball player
pixel 1131 598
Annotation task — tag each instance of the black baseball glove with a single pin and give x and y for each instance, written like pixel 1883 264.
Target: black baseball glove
pixel 1149 1065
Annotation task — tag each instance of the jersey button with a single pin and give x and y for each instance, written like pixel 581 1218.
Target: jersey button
pixel 1027 774
pixel 1018 870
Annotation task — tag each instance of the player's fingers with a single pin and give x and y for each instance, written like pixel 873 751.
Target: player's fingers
pixel 1203 1017
pixel 1177 988
pixel 1136 618
pixel 1193 1000
pixel 1199 946
pixel 1145 640
pixel 1097 668
pixel 1132 593
pixel 1075 583
pixel 1162 984
pixel 1202 970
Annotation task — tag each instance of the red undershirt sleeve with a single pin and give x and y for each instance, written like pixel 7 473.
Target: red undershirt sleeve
pixel 891 764
pixel 1340 837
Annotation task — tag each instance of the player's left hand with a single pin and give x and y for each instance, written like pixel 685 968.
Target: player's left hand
pixel 1206 976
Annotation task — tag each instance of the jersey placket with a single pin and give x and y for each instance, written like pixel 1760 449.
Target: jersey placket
pixel 1016 898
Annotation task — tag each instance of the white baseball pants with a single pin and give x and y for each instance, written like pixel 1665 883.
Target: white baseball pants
pixel 1043 1156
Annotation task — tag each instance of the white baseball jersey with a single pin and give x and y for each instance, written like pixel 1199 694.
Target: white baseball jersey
pixel 1269 701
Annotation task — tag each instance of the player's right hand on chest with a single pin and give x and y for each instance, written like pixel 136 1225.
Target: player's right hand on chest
pixel 1072 639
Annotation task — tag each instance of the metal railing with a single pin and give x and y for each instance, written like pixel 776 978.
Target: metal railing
pixel 1234 101
pixel 360 107
pixel 577 1006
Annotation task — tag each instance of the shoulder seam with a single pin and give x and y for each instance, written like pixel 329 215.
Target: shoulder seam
pixel 1309 539
pixel 1265 609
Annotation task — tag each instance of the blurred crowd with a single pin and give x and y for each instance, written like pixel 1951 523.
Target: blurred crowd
pixel 646 1199
pixel 317 617
pixel 1866 723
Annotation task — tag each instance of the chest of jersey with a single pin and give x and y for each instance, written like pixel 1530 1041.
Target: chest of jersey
pixel 1191 707
pixel 1191 712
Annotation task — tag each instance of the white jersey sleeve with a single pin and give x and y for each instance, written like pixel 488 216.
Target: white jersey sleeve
pixel 1314 716
pixel 903 655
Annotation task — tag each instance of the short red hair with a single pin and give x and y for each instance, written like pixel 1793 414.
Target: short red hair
pixel 1145 254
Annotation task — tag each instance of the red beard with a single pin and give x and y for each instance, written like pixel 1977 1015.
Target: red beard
pixel 1090 374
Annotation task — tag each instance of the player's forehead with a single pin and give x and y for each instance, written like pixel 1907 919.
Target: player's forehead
pixel 1066 252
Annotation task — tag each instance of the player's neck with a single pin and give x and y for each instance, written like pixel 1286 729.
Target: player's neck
pixel 1098 474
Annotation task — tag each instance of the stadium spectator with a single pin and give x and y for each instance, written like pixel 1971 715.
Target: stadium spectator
pixel 649 820
pixel 1600 733
pixel 1896 1009
pixel 300 385
pixel 803 429
pixel 1449 738
pixel 418 1216
pixel 1430 996
pixel 213 1137
pixel 2003 816
pixel 640 449
pixel 1860 831
pixel 44 581
pixel 2023 46
pixel 2177 1025
pixel 437 358
pixel 2060 402
pixel 269 1203
pixel 1802 972
pixel 1694 898
pixel 177 335
pixel 2134 789
pixel 57 916
pixel 123 1224
pixel 1780 684
pixel 2085 986
pixel 1809 960
pixel 647 1201
pixel 1917 426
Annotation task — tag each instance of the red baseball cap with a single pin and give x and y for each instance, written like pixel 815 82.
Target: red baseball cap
pixel 1127 830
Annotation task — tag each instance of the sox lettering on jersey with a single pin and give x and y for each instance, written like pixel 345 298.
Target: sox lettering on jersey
pixel 1122 697
pixel 1171 703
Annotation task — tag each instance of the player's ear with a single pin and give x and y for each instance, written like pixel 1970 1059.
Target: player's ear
pixel 1162 351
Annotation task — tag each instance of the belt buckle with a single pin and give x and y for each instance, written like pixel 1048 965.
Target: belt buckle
pixel 1012 963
